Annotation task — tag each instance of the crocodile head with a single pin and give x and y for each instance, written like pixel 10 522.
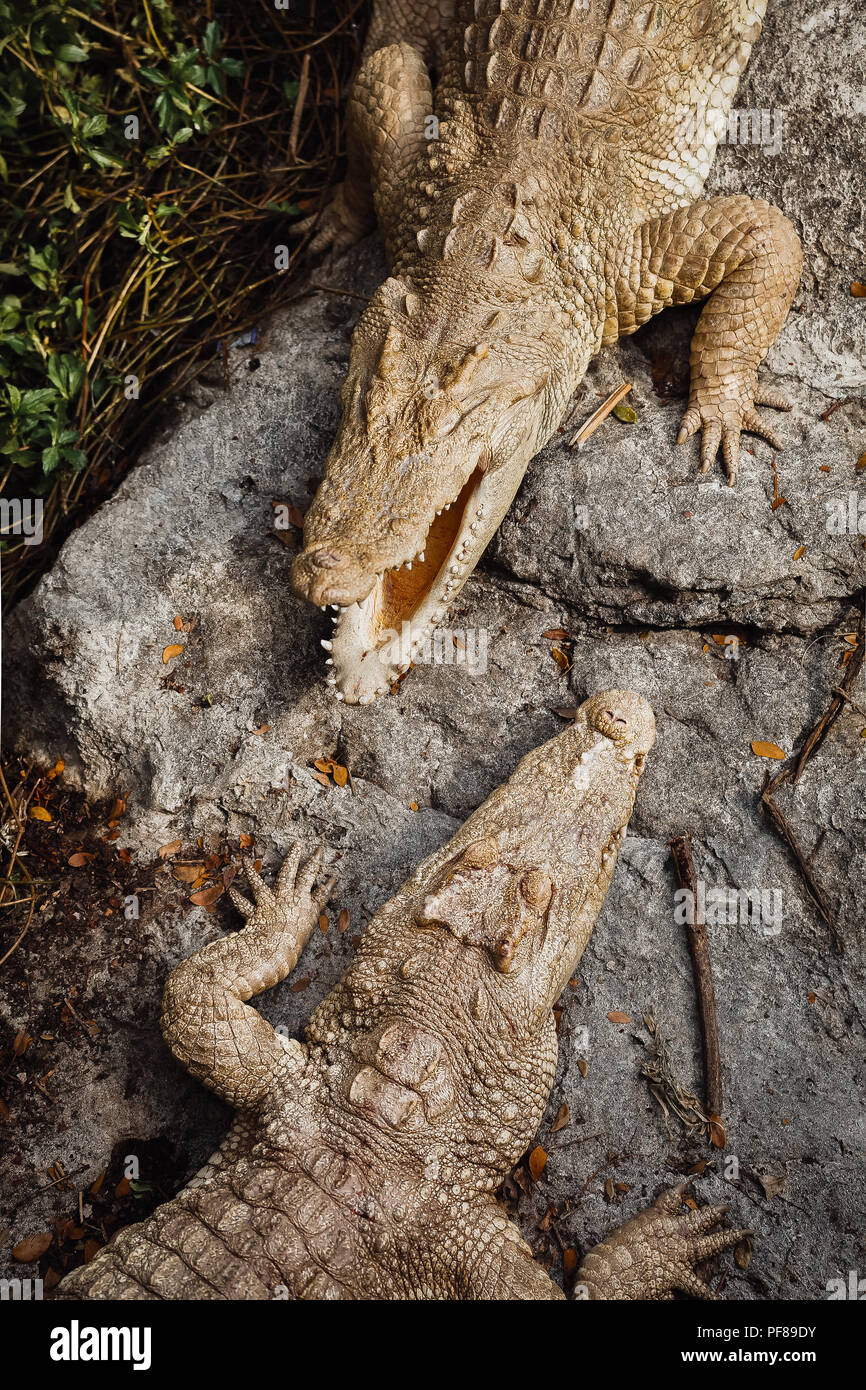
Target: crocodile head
pixel 526 876
pixel 442 1027
pixel 447 398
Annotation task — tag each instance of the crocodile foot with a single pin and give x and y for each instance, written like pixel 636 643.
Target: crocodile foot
pixel 722 410
pixel 337 227
pixel 654 1253
pixel 295 900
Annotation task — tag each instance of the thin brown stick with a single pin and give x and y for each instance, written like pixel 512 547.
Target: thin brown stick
pixel 699 944
pixel 303 84
pixel 786 830
pixel 597 416
pixel 792 770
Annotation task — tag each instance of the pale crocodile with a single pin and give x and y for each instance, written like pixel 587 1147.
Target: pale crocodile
pixel 364 1163
pixel 543 202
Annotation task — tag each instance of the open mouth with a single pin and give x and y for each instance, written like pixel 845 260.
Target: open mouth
pixel 375 641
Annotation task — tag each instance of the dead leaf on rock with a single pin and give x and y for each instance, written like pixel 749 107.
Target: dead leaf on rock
pixel 768 750
pixel 31 1247
pixel 40 813
pixel 617 1017
pixel 772 1186
pixel 343 920
pixel 582 1066
pixel 208 896
pixel 743 1253
pixel 537 1161
pixel 716 1132
pixel 166 851
pixel 189 872
pixel 79 859
pixel 171 652
pixel 562 1118
pixel 521 1177
pixel 569 1259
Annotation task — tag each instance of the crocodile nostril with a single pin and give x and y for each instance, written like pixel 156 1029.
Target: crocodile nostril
pixel 614 718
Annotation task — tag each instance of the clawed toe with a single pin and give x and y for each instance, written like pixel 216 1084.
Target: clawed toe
pixel 244 907
pixel 755 425
pixel 309 873
pixel 260 890
pixel 777 400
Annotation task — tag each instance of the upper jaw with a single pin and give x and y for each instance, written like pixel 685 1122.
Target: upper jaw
pixel 381 624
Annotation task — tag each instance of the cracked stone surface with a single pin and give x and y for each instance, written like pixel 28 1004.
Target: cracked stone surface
pixel 644 562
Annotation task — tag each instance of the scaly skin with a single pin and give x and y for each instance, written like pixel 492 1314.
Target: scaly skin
pixel 558 209
pixel 363 1163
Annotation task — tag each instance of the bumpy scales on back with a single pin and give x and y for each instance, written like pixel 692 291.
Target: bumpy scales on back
pixel 543 203
pixel 363 1163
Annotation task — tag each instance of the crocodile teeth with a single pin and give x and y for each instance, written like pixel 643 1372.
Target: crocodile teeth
pixel 408 564
pixel 326 644
pixel 330 661
pixel 339 694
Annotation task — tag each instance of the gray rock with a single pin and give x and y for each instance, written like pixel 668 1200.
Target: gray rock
pixel 659 563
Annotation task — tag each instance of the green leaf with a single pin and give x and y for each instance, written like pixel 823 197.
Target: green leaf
pixel 626 413
pixel 70 53
pixel 212 38
pixel 94 125
pixel 158 79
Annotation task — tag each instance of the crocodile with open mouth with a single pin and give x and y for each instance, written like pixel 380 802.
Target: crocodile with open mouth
pixel 545 202
pixel 364 1163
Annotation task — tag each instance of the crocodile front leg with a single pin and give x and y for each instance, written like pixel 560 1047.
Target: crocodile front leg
pixel 205 1020
pixel 647 1258
pixel 390 100
pixel 747 257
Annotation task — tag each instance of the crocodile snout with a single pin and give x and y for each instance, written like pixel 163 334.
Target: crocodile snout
pixel 327 575
pixel 624 717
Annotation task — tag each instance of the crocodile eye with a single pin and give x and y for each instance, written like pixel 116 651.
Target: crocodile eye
pixel 444 420
pixel 536 889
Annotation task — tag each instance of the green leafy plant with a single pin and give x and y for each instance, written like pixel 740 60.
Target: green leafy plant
pixel 148 174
